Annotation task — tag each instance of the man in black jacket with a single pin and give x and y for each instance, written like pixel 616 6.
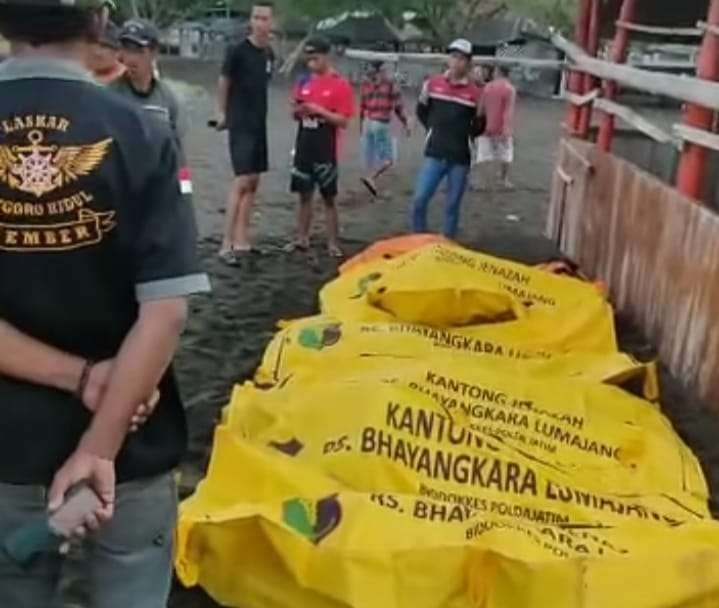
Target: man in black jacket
pixel 449 109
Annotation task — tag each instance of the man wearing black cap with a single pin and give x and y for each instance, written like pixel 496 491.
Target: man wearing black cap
pixel 140 42
pixel 322 104
pixel 449 108
pixel 97 257
pixel 105 61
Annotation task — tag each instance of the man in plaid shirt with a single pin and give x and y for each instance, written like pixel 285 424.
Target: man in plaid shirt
pixel 380 99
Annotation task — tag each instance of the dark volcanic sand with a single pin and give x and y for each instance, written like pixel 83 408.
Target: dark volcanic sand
pixel 229 330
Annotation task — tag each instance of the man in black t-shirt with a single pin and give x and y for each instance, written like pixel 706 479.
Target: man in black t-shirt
pixel 242 105
pixel 97 257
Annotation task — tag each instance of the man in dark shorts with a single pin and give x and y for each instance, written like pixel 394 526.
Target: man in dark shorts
pixel 242 105
pixel 97 257
pixel 322 104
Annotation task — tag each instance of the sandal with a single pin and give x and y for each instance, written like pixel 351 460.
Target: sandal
pixel 370 186
pixel 247 251
pixel 228 256
pixel 296 245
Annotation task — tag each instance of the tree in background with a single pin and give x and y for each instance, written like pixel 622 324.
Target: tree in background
pixel 164 12
pixel 449 18
pixel 557 13
pixel 452 18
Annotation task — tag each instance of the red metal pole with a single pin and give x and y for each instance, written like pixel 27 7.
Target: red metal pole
pixel 585 113
pixel 691 177
pixel 620 47
pixel 576 79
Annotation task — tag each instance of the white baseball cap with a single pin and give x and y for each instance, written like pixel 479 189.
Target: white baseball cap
pixel 461 45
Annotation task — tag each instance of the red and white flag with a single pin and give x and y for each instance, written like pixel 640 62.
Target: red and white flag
pixel 185 180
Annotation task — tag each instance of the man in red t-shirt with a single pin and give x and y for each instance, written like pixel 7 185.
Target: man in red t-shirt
pixel 380 98
pixel 322 104
pixel 497 143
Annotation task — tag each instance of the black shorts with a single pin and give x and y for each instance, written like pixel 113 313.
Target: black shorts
pixel 248 152
pixel 308 175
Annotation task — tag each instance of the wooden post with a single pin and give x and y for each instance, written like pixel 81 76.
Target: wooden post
pixel 585 115
pixel 620 47
pixel 576 79
pixel 691 177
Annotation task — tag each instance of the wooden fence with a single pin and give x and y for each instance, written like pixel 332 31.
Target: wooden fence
pixel 657 250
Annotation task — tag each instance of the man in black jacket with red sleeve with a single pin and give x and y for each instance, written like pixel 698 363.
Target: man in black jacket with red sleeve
pixel 449 109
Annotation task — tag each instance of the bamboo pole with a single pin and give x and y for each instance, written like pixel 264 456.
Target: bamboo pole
pixel 682 88
pixel 636 120
pixel 293 58
pixel 441 59
pixel 684 32
pixel 698 136
pixel 581 100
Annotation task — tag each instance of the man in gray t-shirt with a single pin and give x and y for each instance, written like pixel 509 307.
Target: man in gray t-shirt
pixel 140 42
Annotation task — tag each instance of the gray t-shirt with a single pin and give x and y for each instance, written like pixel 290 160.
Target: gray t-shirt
pixel 161 102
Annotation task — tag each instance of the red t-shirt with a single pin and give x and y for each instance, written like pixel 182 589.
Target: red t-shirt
pixel 498 101
pixel 318 140
pixel 331 91
pixel 380 98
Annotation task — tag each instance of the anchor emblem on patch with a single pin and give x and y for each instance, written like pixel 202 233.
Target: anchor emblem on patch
pixel 38 168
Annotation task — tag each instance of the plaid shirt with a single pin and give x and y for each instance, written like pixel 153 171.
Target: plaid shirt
pixel 380 100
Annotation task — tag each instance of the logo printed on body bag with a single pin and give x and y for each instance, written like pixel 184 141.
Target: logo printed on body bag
pixel 320 337
pixel 315 520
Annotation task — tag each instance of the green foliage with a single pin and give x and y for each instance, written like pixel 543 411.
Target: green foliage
pixel 164 12
pixel 557 13
pixel 448 17
pixel 319 9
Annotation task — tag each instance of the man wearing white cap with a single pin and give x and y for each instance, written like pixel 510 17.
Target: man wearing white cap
pixel 449 109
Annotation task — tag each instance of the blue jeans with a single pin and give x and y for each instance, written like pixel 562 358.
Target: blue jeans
pixel 433 171
pixel 377 144
pixel 127 564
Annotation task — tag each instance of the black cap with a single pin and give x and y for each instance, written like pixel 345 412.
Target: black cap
pixel 111 36
pixel 317 45
pixel 140 32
